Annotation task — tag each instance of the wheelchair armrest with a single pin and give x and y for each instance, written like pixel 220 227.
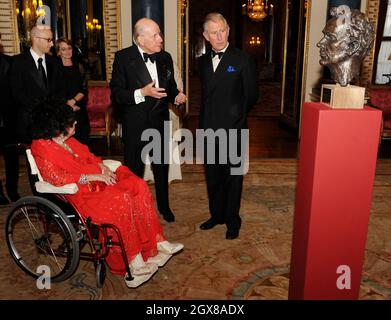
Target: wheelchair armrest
pixel 112 164
pixel 46 187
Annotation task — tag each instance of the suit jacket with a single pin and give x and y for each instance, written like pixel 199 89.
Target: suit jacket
pixel 79 57
pixel 5 94
pixel 27 87
pixel 129 74
pixel 228 93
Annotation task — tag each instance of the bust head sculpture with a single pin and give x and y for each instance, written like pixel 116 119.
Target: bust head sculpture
pixel 348 38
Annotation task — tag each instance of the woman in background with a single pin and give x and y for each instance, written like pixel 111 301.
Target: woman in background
pixel 76 89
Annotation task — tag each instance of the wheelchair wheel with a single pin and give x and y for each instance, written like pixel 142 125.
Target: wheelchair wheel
pixel 39 234
pixel 100 273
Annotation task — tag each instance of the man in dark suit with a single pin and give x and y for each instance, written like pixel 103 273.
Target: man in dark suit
pixel 79 57
pixel 8 141
pixel 34 75
pixel 142 85
pixel 229 90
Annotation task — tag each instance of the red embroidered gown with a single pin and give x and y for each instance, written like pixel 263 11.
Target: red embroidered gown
pixel 128 204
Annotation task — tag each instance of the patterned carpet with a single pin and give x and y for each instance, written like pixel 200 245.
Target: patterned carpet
pixel 268 104
pixel 255 266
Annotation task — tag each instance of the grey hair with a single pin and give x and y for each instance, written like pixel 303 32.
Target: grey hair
pixel 139 28
pixel 136 33
pixel 214 17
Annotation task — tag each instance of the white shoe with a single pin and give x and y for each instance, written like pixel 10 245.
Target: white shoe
pixel 138 267
pixel 160 259
pixel 169 248
pixel 138 280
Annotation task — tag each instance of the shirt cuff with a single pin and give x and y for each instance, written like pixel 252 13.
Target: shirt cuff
pixel 138 97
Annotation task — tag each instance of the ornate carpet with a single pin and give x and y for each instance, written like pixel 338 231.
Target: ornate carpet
pixel 268 104
pixel 254 266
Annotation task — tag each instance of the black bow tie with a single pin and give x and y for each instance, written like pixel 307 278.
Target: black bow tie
pixel 151 57
pixel 214 53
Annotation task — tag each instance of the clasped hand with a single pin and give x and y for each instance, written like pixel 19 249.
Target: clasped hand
pixel 180 98
pixel 107 176
pixel 73 105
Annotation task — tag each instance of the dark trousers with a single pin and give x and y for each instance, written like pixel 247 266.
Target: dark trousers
pixel 11 160
pixel 133 147
pixel 224 191
pixel 83 126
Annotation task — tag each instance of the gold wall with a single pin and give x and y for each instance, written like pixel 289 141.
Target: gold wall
pixel 8 27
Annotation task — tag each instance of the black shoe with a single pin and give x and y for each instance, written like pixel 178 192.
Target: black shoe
pixel 209 224
pixel 3 200
pixel 231 234
pixel 168 216
pixel 13 195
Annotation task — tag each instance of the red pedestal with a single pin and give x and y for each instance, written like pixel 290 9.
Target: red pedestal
pixel 337 162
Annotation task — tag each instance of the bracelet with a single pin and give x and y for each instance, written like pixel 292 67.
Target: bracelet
pixel 83 179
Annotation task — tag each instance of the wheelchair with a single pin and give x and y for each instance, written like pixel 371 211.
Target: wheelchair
pixel 46 230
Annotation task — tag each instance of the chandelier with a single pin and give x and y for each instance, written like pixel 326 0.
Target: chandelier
pixel 258 10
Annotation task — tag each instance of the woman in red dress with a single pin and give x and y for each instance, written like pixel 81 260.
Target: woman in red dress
pixel 120 198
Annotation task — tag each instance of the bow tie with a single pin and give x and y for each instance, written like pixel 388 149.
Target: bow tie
pixel 214 53
pixel 151 57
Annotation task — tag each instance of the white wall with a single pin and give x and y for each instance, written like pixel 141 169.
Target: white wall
pixel 317 23
pixel 126 23
pixel 170 26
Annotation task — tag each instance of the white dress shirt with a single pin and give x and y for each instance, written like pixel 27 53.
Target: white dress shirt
pixel 36 57
pixel 138 97
pixel 216 59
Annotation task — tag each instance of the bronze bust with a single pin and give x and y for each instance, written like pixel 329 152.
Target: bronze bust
pixel 348 38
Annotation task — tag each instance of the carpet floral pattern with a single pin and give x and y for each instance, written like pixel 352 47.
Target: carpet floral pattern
pixel 254 266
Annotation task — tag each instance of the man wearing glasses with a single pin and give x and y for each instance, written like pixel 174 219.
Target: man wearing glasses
pixel 34 75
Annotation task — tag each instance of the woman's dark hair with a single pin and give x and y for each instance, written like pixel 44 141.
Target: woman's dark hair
pixel 51 118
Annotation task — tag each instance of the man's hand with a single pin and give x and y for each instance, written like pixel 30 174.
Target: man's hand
pixel 180 98
pixel 72 104
pixel 150 91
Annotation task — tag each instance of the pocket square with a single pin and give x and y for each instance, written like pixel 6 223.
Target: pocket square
pixel 231 69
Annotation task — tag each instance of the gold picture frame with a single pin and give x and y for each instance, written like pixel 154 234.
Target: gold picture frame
pixel 183 45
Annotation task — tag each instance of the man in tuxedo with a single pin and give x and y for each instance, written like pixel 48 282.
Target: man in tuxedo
pixel 34 75
pixel 229 89
pixel 8 141
pixel 142 85
pixel 79 56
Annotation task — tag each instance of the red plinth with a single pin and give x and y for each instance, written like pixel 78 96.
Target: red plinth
pixel 337 162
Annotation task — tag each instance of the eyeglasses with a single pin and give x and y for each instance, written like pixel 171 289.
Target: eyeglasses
pixel 47 39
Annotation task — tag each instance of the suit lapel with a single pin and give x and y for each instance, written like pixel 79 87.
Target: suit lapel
pixel 139 65
pixel 49 70
pixel 162 72
pixel 209 73
pixel 221 69
pixel 34 71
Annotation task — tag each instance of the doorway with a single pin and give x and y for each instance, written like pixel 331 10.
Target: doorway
pixel 271 136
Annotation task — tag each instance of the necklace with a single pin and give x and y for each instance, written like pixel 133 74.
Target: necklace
pixel 62 143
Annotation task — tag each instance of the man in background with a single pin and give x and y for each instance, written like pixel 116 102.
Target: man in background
pixel 34 75
pixel 8 141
